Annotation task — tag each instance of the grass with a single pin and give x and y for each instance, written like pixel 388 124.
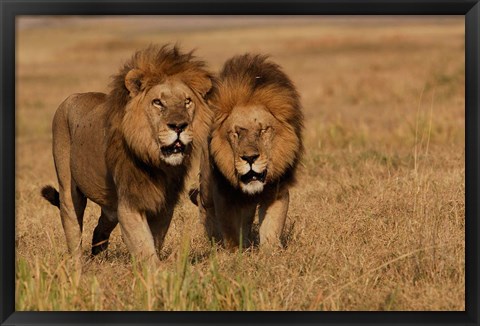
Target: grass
pixel 376 220
pixel 176 288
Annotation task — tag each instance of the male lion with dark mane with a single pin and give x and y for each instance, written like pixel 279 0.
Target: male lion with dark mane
pixel 129 150
pixel 252 154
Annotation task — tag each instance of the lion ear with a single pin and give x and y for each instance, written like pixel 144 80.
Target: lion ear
pixel 202 84
pixel 206 87
pixel 133 81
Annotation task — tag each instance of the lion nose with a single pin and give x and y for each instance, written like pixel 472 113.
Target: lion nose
pixel 250 158
pixel 177 127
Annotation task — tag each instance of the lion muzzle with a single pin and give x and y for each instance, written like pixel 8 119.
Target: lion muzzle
pixel 175 148
pixel 178 138
pixel 253 176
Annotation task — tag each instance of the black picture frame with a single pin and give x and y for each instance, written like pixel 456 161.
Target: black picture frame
pixel 11 9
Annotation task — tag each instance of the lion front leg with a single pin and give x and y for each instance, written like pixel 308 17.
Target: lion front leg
pixel 208 218
pixel 209 222
pixel 159 225
pixel 137 235
pixel 272 216
pixel 235 223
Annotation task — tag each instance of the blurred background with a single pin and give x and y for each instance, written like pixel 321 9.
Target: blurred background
pixel 376 220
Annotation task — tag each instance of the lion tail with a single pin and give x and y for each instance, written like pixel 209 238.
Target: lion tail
pixel 51 194
pixel 193 194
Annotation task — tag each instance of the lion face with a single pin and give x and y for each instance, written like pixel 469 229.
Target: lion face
pixel 250 131
pixel 256 135
pixel 170 109
pixel 253 148
pixel 158 124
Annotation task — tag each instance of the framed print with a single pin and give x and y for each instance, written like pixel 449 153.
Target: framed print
pixel 220 162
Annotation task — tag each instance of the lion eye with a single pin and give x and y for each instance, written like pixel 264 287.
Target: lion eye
pixel 157 103
pixel 188 101
pixel 264 130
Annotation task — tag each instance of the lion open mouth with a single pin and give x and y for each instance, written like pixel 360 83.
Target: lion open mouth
pixel 253 176
pixel 175 148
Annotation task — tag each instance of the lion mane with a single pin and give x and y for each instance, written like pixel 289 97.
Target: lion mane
pixel 251 79
pixel 256 87
pixel 139 175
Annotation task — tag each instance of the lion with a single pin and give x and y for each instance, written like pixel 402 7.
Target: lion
pixel 252 154
pixel 129 150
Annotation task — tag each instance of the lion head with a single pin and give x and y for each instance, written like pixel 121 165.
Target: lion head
pixel 162 104
pixel 256 135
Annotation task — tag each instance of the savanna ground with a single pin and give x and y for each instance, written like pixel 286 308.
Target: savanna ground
pixel 376 220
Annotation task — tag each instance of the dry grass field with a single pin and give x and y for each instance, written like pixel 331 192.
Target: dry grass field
pixel 376 220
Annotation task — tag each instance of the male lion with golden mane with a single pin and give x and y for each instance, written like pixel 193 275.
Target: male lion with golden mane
pixel 129 150
pixel 252 154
